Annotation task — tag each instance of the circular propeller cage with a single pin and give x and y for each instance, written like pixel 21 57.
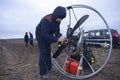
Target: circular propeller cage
pixel 101 48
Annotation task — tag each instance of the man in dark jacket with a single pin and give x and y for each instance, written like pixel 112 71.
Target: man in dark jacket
pixel 26 39
pixel 48 32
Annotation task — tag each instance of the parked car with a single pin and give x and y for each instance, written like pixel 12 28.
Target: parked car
pixel 102 36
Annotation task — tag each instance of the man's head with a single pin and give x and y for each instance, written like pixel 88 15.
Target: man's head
pixel 59 13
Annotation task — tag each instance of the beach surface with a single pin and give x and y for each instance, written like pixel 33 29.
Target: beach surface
pixel 18 62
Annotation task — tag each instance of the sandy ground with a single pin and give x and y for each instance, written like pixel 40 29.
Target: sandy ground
pixel 18 62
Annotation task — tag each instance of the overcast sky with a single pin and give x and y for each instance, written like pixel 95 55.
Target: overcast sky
pixel 20 16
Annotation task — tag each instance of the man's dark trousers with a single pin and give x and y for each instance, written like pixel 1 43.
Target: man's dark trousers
pixel 45 63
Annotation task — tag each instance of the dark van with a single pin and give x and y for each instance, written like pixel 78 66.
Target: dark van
pixel 102 36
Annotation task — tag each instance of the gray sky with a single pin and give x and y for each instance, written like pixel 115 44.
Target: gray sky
pixel 20 16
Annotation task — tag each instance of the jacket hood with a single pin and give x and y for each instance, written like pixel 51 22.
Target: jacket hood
pixel 59 12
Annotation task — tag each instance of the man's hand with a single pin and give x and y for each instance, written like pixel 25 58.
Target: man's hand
pixel 61 39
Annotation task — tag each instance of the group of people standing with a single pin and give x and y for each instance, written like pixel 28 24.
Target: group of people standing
pixel 28 38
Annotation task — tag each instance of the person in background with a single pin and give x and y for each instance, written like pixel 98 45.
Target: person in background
pixel 31 38
pixel 26 39
pixel 48 32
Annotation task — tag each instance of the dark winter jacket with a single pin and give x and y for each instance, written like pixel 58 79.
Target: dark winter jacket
pixel 31 37
pixel 49 31
pixel 26 39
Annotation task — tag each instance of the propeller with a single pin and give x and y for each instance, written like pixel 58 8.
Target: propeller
pixel 80 22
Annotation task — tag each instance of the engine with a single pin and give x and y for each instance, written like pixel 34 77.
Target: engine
pixel 73 39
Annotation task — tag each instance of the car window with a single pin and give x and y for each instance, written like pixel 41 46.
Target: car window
pixel 97 33
pixel 107 35
pixel 91 35
pixel 86 35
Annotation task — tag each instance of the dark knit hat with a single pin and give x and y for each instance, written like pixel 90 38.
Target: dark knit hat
pixel 59 12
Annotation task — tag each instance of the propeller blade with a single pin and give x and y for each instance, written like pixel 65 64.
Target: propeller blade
pixel 81 20
pixel 57 53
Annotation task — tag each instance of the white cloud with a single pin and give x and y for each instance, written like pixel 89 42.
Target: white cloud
pixel 24 15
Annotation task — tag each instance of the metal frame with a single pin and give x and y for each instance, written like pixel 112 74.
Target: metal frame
pixel 77 76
